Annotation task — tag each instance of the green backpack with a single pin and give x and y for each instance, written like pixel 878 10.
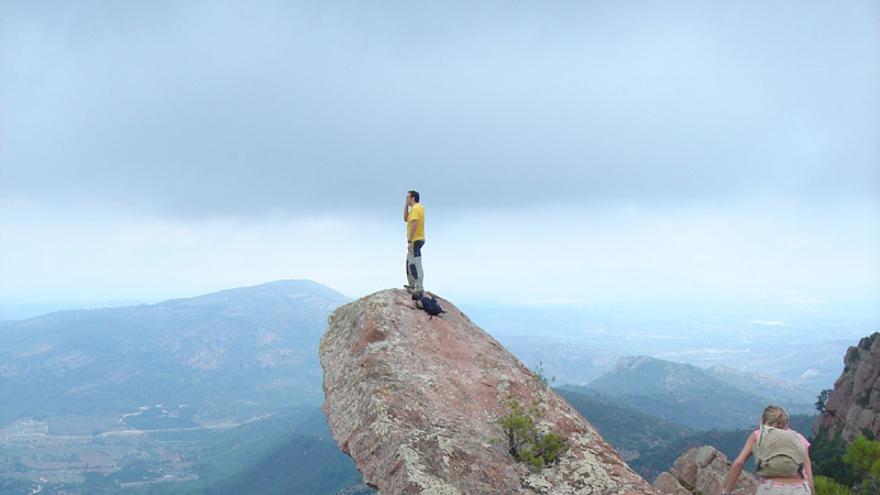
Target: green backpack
pixel 778 453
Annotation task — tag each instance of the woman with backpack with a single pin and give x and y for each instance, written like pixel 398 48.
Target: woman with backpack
pixel 782 457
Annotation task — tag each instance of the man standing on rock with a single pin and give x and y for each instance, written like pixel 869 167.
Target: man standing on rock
pixel 414 216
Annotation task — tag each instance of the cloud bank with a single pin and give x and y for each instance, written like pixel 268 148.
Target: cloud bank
pixel 221 108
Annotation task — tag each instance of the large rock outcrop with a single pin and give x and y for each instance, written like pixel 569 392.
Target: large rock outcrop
pixel 854 404
pixel 416 401
pixel 702 470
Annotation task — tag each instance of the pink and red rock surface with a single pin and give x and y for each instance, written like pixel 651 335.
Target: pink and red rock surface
pixel 416 401
pixel 702 470
pixel 854 404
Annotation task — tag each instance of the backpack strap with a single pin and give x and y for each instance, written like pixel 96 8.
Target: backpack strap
pixel 761 430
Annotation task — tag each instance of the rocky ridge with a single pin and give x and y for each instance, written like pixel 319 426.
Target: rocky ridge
pixel 415 401
pixel 702 470
pixel 854 404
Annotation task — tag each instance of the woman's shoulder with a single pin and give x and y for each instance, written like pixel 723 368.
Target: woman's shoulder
pixel 803 439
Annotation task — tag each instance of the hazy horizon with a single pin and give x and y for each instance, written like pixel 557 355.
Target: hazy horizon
pixel 770 315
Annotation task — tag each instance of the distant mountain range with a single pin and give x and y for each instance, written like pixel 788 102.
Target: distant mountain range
pixel 206 393
pixel 631 432
pixel 771 388
pixel 234 352
pixel 694 397
pixel 222 391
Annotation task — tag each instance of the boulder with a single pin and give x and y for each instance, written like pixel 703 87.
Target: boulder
pixel 702 470
pixel 416 402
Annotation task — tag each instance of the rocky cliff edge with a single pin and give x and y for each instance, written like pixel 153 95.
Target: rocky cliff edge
pixel 415 401
pixel 854 404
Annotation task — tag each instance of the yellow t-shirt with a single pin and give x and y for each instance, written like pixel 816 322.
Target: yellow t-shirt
pixel 416 214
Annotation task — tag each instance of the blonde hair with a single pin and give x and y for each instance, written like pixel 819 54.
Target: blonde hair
pixel 775 416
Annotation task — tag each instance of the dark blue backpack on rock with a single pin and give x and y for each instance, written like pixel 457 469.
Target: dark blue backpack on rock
pixel 429 305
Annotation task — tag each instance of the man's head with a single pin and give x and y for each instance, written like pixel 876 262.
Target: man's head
pixel 414 195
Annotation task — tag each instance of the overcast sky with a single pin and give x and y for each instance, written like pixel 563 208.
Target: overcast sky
pixel 593 152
